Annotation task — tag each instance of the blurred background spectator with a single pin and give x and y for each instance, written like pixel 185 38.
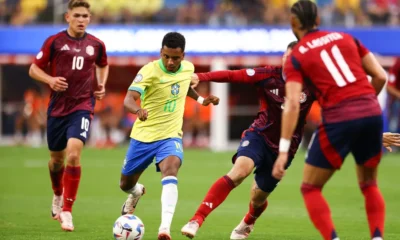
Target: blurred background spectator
pixel 212 12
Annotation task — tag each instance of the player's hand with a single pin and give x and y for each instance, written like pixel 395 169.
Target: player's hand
pixel 142 114
pixel 194 80
pixel 391 139
pixel 58 84
pixel 279 167
pixel 101 92
pixel 211 99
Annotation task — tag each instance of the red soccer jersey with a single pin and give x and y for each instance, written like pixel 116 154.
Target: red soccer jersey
pixel 332 62
pixel 75 60
pixel 271 96
pixel 394 75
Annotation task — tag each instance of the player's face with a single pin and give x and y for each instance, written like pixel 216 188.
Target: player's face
pixel 172 58
pixel 295 24
pixel 78 19
pixel 285 56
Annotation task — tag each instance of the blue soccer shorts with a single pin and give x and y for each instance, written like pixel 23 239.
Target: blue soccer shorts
pixel 60 129
pixel 141 154
pixel 253 146
pixel 331 143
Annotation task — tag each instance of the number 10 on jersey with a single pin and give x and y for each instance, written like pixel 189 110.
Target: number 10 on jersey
pixel 77 63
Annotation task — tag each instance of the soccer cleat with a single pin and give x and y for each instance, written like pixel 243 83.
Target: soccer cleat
pixel 130 203
pixel 190 229
pixel 164 234
pixel 65 219
pixel 56 206
pixel 242 231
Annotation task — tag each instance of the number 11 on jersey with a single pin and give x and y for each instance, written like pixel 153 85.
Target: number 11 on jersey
pixel 334 71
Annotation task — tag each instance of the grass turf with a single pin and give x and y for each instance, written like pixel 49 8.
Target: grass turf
pixel 25 198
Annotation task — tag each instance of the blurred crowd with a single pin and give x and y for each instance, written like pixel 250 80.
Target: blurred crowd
pixel 111 125
pixel 209 12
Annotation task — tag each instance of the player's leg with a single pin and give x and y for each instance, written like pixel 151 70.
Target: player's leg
pixel 130 185
pixel 57 142
pixel 250 154
pixel 367 150
pixel 328 148
pixel 56 170
pixel 168 159
pixel 77 134
pixel 258 204
pixel 138 157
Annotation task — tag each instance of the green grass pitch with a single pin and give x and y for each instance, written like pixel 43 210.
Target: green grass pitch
pixel 25 198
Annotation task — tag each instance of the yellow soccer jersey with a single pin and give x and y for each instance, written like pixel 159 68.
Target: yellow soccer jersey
pixel 163 95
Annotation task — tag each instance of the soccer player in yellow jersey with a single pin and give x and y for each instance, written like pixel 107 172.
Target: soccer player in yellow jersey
pixel 162 86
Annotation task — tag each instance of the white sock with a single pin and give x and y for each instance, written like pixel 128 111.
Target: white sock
pixel 135 191
pixel 169 198
pixel 377 238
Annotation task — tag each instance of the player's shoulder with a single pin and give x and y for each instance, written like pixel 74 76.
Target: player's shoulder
pixel 187 65
pixel 94 38
pixel 149 67
pixel 53 37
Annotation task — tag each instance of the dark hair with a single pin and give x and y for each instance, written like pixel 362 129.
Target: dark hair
pixel 307 12
pixel 174 40
pixel 78 3
pixel 291 45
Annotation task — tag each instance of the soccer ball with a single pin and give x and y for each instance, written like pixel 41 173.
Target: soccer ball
pixel 128 227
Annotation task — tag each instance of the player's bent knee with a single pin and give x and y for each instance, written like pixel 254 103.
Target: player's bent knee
pixel 125 186
pixel 237 176
pixel 73 158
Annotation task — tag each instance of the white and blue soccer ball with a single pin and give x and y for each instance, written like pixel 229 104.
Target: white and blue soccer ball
pixel 128 227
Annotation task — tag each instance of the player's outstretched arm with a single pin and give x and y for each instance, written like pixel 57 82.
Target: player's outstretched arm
pixel 391 139
pixel 58 84
pixel 131 105
pixel 203 101
pixel 102 75
pixel 375 70
pixel 237 76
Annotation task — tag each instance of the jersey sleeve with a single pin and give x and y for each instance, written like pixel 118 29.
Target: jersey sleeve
pixel 250 75
pixel 44 56
pixel 143 79
pixel 394 73
pixel 101 60
pixel 362 50
pixel 292 70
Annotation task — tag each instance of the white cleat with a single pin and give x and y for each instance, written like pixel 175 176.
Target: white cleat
pixel 130 203
pixel 56 206
pixel 66 221
pixel 164 234
pixel 190 229
pixel 242 231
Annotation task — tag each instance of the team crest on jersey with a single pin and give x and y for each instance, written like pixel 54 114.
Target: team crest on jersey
pixel 138 78
pixel 175 89
pixel 90 50
pixel 245 143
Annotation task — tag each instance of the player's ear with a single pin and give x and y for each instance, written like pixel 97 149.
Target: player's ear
pixel 318 21
pixel 67 17
pixel 183 55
